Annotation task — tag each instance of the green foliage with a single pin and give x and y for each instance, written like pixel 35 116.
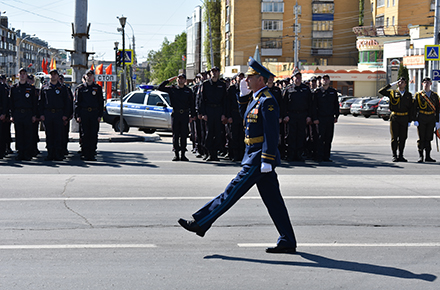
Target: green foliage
pixel 214 10
pixel 166 62
pixel 403 72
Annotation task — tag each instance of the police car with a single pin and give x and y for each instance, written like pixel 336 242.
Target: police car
pixel 146 109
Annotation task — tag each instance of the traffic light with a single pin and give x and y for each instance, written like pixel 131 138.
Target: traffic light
pixel 118 58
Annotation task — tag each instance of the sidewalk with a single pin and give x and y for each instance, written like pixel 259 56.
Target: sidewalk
pixel 107 134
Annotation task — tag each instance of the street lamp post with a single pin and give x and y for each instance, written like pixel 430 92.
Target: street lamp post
pixel 18 58
pixel 116 65
pixel 122 21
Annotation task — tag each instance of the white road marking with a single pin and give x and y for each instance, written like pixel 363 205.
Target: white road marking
pixel 258 245
pixel 210 197
pixel 76 246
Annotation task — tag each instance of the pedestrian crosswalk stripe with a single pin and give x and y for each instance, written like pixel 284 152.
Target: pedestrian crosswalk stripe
pixel 75 246
pixel 260 245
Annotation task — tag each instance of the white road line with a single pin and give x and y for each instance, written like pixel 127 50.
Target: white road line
pixel 258 245
pixel 210 197
pixel 76 246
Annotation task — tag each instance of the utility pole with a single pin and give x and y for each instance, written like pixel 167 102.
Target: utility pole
pixel 79 54
pixel 295 48
pixel 436 39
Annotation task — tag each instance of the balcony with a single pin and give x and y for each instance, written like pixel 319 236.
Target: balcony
pixel 322 34
pixel 271 52
pixel 322 51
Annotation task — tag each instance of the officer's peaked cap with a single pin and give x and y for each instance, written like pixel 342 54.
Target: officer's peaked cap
pixel 257 69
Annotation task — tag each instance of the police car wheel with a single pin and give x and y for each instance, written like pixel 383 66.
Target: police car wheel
pixel 118 129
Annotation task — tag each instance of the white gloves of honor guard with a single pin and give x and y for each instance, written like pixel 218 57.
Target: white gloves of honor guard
pixel 416 123
pixel 395 83
pixel 244 88
pixel 266 167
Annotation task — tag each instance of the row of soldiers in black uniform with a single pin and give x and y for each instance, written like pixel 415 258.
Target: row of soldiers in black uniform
pixel 307 117
pixel 53 105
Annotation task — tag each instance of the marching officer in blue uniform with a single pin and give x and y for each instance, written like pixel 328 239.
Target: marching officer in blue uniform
pixel 89 106
pixel 261 114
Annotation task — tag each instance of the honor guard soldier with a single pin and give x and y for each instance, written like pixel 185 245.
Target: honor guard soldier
pixel 54 109
pixel 298 103
pixel 261 113
pixel 326 106
pixel 212 108
pixel 4 115
pixel 426 109
pixel 23 106
pixel 89 108
pixel 401 107
pixel 182 101
pixel 236 143
pixel 35 125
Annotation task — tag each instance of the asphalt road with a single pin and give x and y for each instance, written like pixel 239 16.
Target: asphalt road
pixel 362 222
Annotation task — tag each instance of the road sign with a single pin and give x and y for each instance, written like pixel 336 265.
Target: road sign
pixel 436 75
pixel 105 78
pixel 129 56
pixel 432 52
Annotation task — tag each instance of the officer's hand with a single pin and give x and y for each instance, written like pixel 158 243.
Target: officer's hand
pixel 64 118
pixel 395 83
pixel 12 119
pixel 336 120
pixel 2 117
pixel 316 122
pixel 244 90
pixel 34 119
pixel 42 118
pixel 205 118
pixel 416 123
pixel 309 120
pixel 230 120
pixel 200 117
pixel 99 119
pixel 409 124
pixel 78 120
pixel 286 119
pixel 266 167
pixel 172 79
pixel 280 120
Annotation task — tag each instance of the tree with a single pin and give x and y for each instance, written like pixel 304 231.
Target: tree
pixel 166 62
pixel 214 10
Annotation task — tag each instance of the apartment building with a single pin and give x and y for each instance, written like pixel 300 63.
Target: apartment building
pixel 324 33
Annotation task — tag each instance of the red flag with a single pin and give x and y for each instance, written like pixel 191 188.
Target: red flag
pixel 44 66
pixel 92 67
pixel 108 85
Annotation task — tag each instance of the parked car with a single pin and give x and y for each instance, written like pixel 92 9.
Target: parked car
pixel 344 107
pixel 370 108
pixel 146 109
pixel 358 104
pixel 383 110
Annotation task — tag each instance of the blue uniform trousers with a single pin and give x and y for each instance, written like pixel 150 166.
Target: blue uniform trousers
pixel 269 189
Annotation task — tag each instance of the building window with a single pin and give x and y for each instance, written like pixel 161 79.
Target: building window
pixel 271 43
pixel 432 5
pixel 392 21
pixel 272 25
pixel 325 43
pixel 380 3
pixel 323 8
pixel 272 6
pixel 388 3
pixel 322 25
pixel 388 21
pixel 380 21
pixel 394 2
pixel 371 56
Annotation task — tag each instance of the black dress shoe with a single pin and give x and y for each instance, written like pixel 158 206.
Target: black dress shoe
pixel 402 159
pixel 429 159
pixel 192 226
pixel 184 158
pixel 281 250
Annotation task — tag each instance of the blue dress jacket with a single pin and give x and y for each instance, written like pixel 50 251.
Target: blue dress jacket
pixel 261 115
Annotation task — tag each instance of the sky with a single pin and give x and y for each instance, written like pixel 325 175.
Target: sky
pixel 151 22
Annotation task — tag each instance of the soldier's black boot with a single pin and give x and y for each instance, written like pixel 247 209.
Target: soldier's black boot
pixel 183 157
pixel 420 160
pixel 395 159
pixel 428 157
pixel 401 158
pixel 176 156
